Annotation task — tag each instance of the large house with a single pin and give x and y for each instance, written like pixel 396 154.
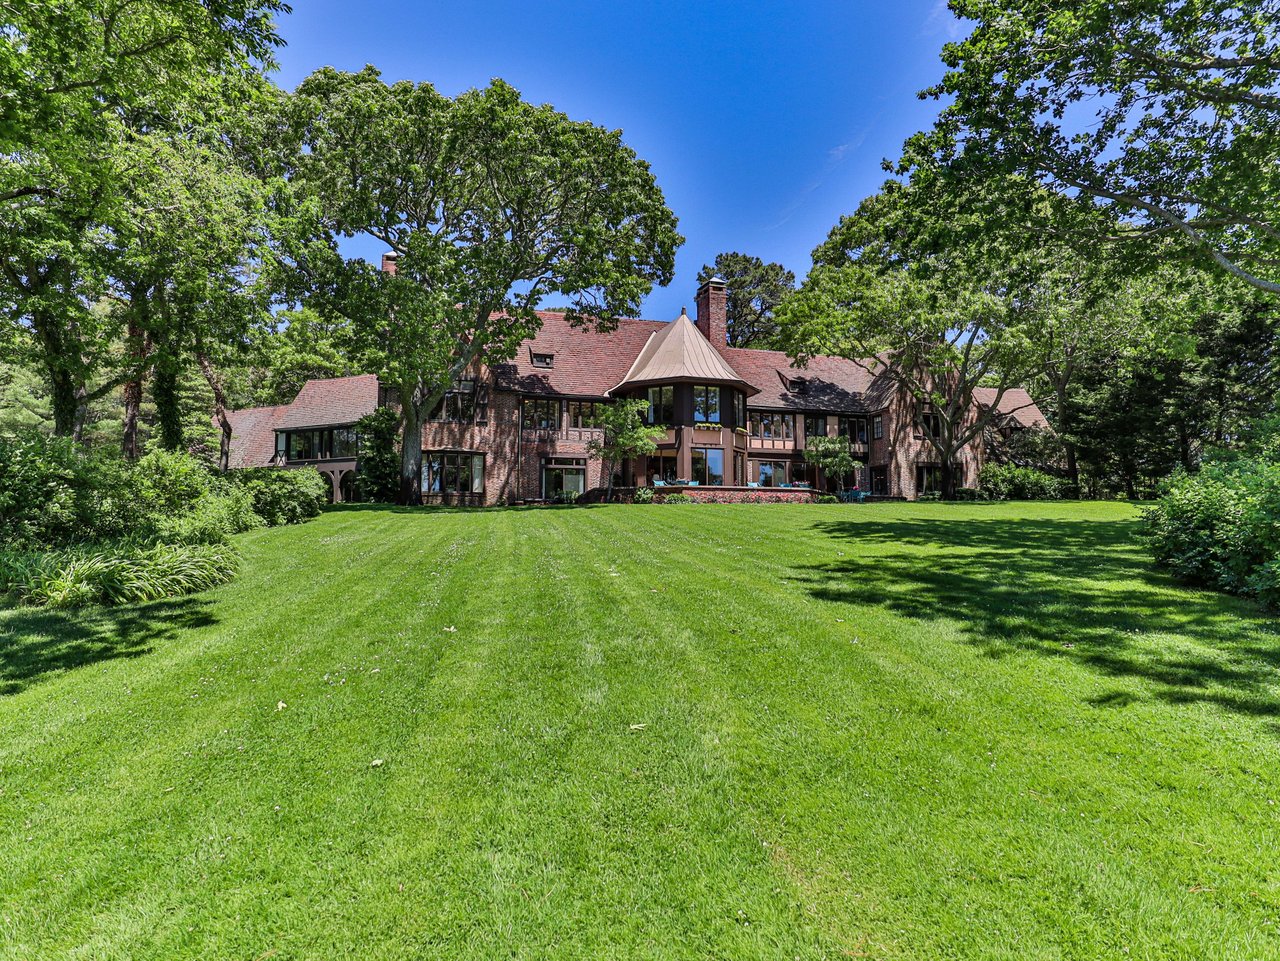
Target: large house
pixel 737 420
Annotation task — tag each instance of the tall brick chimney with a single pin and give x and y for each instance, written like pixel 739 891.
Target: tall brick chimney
pixel 713 319
pixel 389 262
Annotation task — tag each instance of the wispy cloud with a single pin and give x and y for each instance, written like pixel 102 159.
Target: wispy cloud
pixel 941 21
pixel 835 157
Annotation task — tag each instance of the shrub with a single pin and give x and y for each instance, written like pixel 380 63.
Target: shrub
pixel 566 497
pixel 283 496
pixel 1002 482
pixel 1221 527
pixel 828 499
pixel 643 495
pixel 677 499
pixel 968 494
pixel 53 492
pixel 75 577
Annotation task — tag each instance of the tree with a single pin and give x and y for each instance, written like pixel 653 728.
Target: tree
pixel 1166 113
pixel 490 204
pixel 378 478
pixel 831 455
pixel 299 345
pixel 919 286
pixel 625 434
pixel 82 82
pixel 755 289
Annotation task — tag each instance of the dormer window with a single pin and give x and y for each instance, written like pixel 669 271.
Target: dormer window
pixel 543 360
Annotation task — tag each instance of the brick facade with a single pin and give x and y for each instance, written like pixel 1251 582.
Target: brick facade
pixel 709 388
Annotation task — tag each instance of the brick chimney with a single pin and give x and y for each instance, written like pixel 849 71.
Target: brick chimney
pixel 713 320
pixel 389 262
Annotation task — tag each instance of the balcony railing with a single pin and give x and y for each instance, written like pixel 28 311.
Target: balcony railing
pixel 572 434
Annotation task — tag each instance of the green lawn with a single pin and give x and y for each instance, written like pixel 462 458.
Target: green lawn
pixel 887 731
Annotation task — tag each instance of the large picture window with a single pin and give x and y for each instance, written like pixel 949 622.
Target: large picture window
pixel 325 443
pixel 708 466
pixel 450 472
pixel 771 473
pixel 561 475
pixel 706 404
pixel 662 405
pixel 541 414
pixel 768 425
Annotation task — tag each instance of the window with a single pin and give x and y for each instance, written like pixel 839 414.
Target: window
pixel 739 469
pixel 708 466
pixel 541 414
pixel 457 405
pixel 662 405
pixel 928 478
pixel 771 473
pixel 544 360
pixel 815 425
pixel 320 444
pixel 562 475
pixel 662 467
pixel 739 409
pixel 452 473
pixel 344 442
pixel 877 427
pixel 582 413
pixel 931 424
pixel 771 426
pixel 706 404
pixel 853 428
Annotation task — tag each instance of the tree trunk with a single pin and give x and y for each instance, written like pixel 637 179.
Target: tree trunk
pixel 410 454
pixel 219 409
pixel 164 390
pixel 64 397
pixel 948 479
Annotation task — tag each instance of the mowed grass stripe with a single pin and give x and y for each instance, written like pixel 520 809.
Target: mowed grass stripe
pixel 923 731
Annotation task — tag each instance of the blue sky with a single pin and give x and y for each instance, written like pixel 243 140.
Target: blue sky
pixel 763 121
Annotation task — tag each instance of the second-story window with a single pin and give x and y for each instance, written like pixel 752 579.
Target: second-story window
pixel 739 409
pixel 853 428
pixel 582 413
pixel 931 424
pixel 706 404
pixel 662 405
pixel 877 427
pixel 815 425
pixel 457 405
pixel 769 425
pixel 541 414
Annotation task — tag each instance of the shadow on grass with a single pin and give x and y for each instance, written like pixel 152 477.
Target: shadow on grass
pixel 1077 589
pixel 450 508
pixel 36 642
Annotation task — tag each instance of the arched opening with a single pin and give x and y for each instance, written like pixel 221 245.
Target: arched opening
pixel 347 487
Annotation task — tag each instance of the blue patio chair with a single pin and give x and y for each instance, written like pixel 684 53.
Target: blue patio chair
pixel 753 484
pixel 659 483
pixel 693 483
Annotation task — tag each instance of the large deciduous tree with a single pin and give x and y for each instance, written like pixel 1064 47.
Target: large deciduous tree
pixel 490 203
pixel 1168 114
pixel 755 290
pixel 925 284
pixel 81 82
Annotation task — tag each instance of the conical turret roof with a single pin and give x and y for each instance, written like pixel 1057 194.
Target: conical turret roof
pixel 680 354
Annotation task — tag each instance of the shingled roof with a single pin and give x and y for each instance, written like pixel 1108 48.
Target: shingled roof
pixel 253 435
pixel 332 401
pixel 679 353
pixel 1016 404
